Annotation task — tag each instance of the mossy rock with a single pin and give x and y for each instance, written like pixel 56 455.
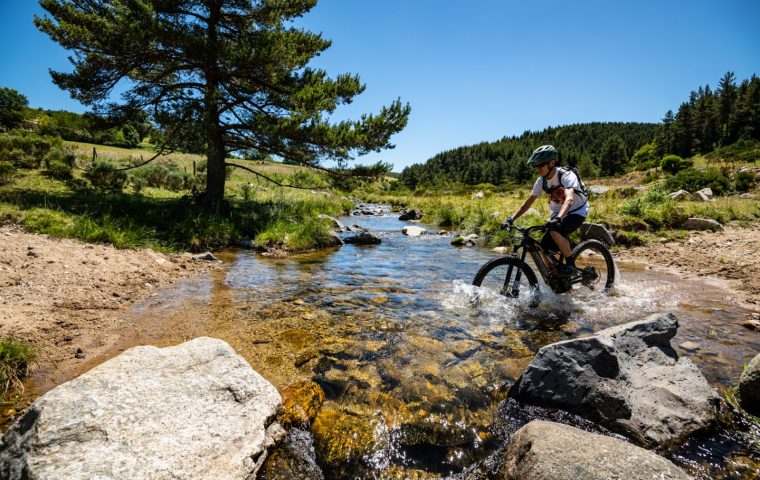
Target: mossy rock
pixel 457 241
pixel 301 402
pixel 342 437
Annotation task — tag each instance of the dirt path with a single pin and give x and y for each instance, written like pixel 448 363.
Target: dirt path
pixel 732 254
pixel 65 296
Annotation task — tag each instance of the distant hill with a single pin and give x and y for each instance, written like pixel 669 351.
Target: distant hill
pixel 504 160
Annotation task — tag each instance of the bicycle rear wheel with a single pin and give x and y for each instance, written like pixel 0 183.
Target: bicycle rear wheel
pixel 596 266
pixel 510 277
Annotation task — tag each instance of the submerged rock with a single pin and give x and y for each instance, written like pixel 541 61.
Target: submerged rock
pixel 748 390
pixel 547 451
pixel 294 458
pixel 342 437
pixel 302 401
pixel 628 378
pixel 196 410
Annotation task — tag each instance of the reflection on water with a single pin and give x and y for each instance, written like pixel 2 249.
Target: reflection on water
pixel 415 360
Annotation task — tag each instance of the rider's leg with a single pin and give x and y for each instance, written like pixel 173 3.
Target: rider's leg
pixel 560 236
pixel 562 243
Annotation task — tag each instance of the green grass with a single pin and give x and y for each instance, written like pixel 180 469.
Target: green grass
pixel 15 358
pixel 165 220
pixel 639 215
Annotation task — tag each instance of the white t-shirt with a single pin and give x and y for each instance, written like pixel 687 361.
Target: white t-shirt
pixel 569 180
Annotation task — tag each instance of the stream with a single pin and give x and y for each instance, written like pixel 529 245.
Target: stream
pixel 415 369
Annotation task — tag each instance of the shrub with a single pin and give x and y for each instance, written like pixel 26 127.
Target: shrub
pixel 693 180
pixel 743 181
pixel 20 159
pixel 674 163
pixel 59 170
pixel 7 172
pixel 15 358
pixel 104 175
pixel 59 163
pixel 645 158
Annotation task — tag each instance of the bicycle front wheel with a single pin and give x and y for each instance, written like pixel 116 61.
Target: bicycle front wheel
pixel 510 277
pixel 594 261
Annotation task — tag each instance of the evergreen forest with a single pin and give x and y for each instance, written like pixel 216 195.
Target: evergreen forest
pixel 710 121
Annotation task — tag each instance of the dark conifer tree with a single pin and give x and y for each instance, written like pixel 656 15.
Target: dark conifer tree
pixel 219 76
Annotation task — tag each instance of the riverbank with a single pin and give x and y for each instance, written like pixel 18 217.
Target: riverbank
pixel 729 254
pixel 63 296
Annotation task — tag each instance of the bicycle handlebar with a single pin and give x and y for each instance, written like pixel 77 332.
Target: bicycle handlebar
pixel 526 231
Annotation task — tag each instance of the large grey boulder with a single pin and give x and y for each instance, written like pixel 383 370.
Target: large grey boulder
pixel 552 451
pixel 196 410
pixel 596 231
pixel 748 390
pixel 627 378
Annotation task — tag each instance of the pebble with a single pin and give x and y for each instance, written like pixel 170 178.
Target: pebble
pixel 752 325
pixel 690 346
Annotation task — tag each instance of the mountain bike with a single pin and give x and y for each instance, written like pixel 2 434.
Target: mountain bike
pixel 511 276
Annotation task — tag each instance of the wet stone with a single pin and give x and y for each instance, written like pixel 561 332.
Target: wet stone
pixel 301 402
pixel 342 437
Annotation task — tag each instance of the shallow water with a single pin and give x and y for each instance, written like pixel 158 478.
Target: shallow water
pixel 407 356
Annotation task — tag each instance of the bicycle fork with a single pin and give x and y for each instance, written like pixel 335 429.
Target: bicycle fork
pixel 515 290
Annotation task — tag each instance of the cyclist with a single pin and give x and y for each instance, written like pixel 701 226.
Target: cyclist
pixel 567 202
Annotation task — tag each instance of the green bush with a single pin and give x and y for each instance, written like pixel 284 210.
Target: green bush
pixel 693 180
pixel 105 176
pixel 165 175
pixel 15 358
pixel 674 163
pixel 743 181
pixel 59 170
pixel 20 159
pixel 7 172
pixel 645 158
pixel 744 150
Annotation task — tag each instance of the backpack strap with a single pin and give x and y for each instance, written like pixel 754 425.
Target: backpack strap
pixel 579 191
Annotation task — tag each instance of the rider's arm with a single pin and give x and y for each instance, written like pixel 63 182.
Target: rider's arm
pixel 567 205
pixel 524 207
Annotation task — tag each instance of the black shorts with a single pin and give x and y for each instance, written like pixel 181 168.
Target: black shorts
pixel 569 224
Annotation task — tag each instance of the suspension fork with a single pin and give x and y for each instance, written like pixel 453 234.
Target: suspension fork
pixel 516 284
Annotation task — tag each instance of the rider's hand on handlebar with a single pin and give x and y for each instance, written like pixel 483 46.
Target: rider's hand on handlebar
pixel 507 223
pixel 553 223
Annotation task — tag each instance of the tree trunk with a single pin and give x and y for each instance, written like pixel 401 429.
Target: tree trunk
pixel 213 198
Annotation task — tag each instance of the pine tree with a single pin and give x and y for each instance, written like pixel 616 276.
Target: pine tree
pixel 216 75
pixel 727 93
pixel 613 157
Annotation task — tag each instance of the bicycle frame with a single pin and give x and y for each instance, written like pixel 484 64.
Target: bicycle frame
pixel 532 247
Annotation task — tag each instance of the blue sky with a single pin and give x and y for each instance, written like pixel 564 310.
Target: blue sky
pixel 480 70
